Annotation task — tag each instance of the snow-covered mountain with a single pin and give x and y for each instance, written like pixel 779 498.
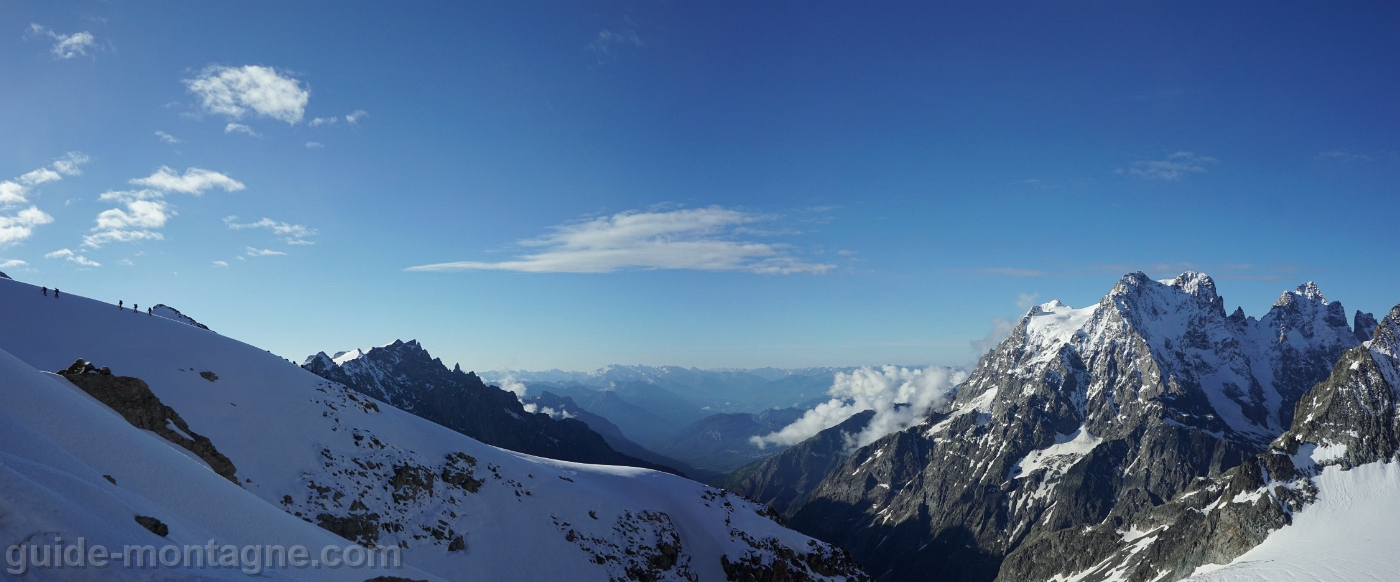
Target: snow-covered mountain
pixel 309 452
pixel 407 377
pixel 1080 417
pixel 1320 504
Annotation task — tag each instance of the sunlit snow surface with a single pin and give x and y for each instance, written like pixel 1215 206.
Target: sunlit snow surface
pixel 285 428
pixel 1352 534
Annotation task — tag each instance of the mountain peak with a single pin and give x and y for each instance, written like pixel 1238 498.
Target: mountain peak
pixel 1307 291
pixel 1194 283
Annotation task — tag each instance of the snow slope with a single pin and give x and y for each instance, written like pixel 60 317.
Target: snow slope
pixel 1347 535
pixel 57 443
pixel 307 447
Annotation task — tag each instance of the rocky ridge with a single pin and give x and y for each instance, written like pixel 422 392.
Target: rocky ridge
pixel 406 376
pixel 1080 417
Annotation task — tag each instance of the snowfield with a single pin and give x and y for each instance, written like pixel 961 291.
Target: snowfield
pixel 1348 535
pixel 307 451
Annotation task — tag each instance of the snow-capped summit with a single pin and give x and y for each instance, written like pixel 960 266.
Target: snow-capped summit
pixel 1155 384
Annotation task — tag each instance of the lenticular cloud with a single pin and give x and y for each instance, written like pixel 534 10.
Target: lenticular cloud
pixel 900 397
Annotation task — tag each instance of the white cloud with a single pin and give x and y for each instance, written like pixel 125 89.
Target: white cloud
pixel 235 91
pixel 607 39
pixel 39 176
pixel 144 211
pixel 352 119
pixel 12 263
pixel 67 46
pixel 1026 300
pixel 167 138
pixel 220 264
pixel 1170 169
pixel 292 233
pixel 900 397
pixel 314 145
pixel 72 257
pixel 16 191
pixel 240 128
pixel 21 225
pixel 252 252
pixel 695 239
pixel 195 181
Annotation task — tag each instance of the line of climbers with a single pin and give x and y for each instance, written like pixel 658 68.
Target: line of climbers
pixel 120 306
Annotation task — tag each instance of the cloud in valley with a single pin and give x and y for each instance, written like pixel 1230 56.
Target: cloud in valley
pixel 250 89
pixel 900 397
pixel 701 239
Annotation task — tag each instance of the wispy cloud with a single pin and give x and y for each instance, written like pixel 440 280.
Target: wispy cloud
pixel 194 181
pixel 220 264
pixel 1171 169
pixel 167 138
pixel 606 44
pixel 1343 156
pixel 1159 269
pixel 314 145
pixel 240 128
pixel 144 211
pixel 72 257
pixel 352 118
pixel 254 252
pixel 237 91
pixel 16 191
pixel 12 263
pixel 292 234
pixel 66 46
pixel 698 239
pixel 20 225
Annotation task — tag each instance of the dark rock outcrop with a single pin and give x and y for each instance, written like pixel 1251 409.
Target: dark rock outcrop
pixel 153 525
pixel 133 399
pixel 783 480
pixel 404 375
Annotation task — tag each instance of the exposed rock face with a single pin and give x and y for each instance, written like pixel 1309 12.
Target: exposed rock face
pixel 1365 325
pixel 133 399
pixel 783 480
pixel 720 442
pixel 169 312
pixel 406 376
pixel 1081 417
pixel 1349 419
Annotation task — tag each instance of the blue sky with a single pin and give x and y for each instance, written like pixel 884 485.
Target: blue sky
pixel 537 185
